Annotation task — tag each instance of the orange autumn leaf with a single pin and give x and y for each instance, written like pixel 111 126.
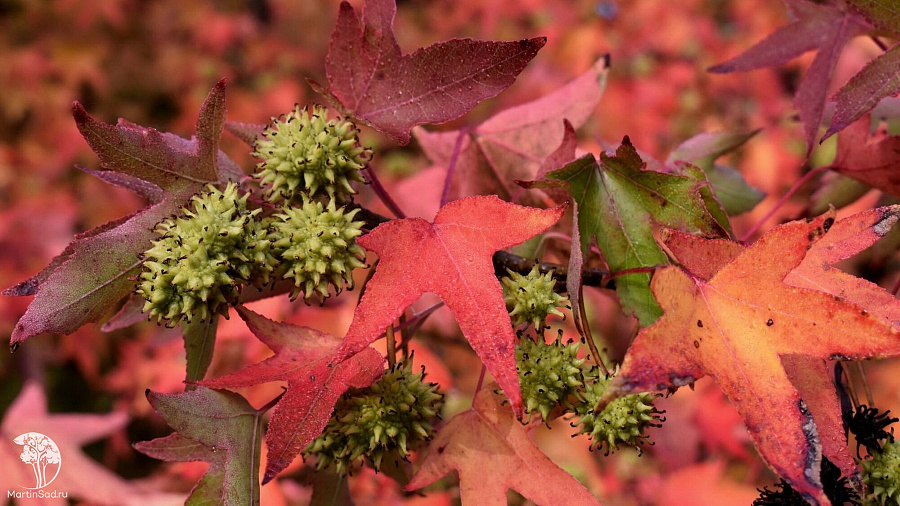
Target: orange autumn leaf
pixel 736 325
pixel 492 453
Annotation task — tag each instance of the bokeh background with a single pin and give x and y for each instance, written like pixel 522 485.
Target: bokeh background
pixel 153 63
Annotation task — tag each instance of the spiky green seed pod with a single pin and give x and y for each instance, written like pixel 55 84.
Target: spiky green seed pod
pixel 548 373
pixel 881 474
pixel 393 414
pixel 530 298
pixel 623 422
pixel 309 154
pixel 196 268
pixel 316 246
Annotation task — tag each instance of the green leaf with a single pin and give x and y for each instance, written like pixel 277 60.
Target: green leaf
pixel 218 427
pixel 199 343
pixel 619 202
pixel 729 185
pixel 885 14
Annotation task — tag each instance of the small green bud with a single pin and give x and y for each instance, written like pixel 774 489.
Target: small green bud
pixel 881 474
pixel 530 298
pixel 548 373
pixel 624 421
pixel 310 154
pixel 393 414
pixel 197 265
pixel 316 246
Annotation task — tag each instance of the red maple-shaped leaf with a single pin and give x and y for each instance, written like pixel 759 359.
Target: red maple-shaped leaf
pixel 374 81
pixel 314 385
pixel 493 453
pixel 737 325
pixel 818 26
pixel 450 257
pixel 871 159
pixel 97 269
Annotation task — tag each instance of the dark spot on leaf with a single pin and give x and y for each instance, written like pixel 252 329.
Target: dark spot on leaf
pixel 700 323
pixel 827 224
pixel 697 344
pixel 770 322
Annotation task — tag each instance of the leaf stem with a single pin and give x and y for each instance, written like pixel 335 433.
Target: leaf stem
pixel 391 347
pixel 586 327
pixel 806 177
pixel 405 336
pixel 862 376
pixel 480 381
pixel 850 390
pixel 451 168
pixel 271 404
pixel 383 194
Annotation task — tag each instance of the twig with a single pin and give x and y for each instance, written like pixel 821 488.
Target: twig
pixel 806 177
pixel 850 390
pixel 383 194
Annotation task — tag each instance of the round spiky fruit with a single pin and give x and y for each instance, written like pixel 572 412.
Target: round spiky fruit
pixel 392 415
pixel 548 373
pixel 530 298
pixel 316 246
pixel 308 153
pixel 882 474
pixel 197 266
pixel 623 422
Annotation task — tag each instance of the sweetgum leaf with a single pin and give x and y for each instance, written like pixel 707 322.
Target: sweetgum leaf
pixel 618 203
pixel 873 160
pixel 820 26
pixel 736 321
pixel 372 80
pixel 880 78
pixel 729 185
pixel 302 358
pixel 221 428
pixel 514 143
pixel 450 257
pixel 885 14
pixel 493 453
pixel 97 269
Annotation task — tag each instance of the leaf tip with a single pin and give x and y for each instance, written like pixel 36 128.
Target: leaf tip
pixel 607 60
pixel 721 68
pixel 79 113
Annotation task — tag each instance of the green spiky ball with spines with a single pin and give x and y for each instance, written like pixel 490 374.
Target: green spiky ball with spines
pixel 623 422
pixel 530 298
pixel 881 474
pixel 548 373
pixel 309 154
pixel 196 267
pixel 393 414
pixel 316 246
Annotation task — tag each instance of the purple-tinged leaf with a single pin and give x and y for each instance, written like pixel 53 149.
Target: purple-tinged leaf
pixel 819 26
pixel 247 132
pixel 885 14
pixel 870 159
pixel 392 92
pixel 880 78
pixel 221 428
pixel 97 269
pixel 129 314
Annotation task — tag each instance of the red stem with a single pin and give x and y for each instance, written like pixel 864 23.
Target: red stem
pixel 383 194
pixel 806 177
pixel 454 157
